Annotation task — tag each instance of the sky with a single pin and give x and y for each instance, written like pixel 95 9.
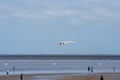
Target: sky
pixel 37 26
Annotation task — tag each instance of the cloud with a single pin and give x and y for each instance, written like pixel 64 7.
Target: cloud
pixel 100 14
pixel 104 10
pixel 45 9
pixel 65 12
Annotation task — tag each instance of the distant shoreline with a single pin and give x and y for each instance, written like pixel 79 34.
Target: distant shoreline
pixel 81 57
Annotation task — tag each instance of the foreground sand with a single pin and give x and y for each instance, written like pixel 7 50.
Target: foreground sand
pixel 107 76
pixel 16 77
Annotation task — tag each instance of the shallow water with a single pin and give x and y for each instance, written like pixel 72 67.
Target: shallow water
pixel 58 66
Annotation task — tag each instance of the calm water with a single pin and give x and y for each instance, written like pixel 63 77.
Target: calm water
pixel 58 66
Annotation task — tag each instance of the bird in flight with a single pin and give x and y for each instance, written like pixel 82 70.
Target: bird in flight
pixel 66 42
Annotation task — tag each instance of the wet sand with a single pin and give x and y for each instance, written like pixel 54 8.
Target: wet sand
pixel 107 76
pixel 17 77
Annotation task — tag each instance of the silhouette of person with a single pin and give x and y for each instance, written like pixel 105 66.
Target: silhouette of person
pixel 101 78
pixel 21 76
pixel 113 69
pixel 7 71
pixel 88 68
pixel 13 68
pixel 91 69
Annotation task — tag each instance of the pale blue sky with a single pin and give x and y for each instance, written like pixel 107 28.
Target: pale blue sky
pixel 37 26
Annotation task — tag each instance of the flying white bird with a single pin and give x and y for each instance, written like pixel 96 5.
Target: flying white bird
pixel 66 42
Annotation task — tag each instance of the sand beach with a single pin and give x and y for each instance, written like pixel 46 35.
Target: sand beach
pixel 91 76
pixel 106 76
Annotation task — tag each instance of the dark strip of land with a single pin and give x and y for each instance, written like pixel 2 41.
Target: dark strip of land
pixel 82 57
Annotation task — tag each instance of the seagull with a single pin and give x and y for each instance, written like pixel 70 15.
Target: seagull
pixel 66 42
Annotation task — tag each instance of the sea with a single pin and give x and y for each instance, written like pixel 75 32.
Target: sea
pixel 58 66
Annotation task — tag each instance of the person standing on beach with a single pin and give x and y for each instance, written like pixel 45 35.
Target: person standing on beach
pixel 21 76
pixel 101 78
pixel 7 71
pixel 91 69
pixel 6 67
pixel 13 68
pixel 88 68
pixel 113 69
